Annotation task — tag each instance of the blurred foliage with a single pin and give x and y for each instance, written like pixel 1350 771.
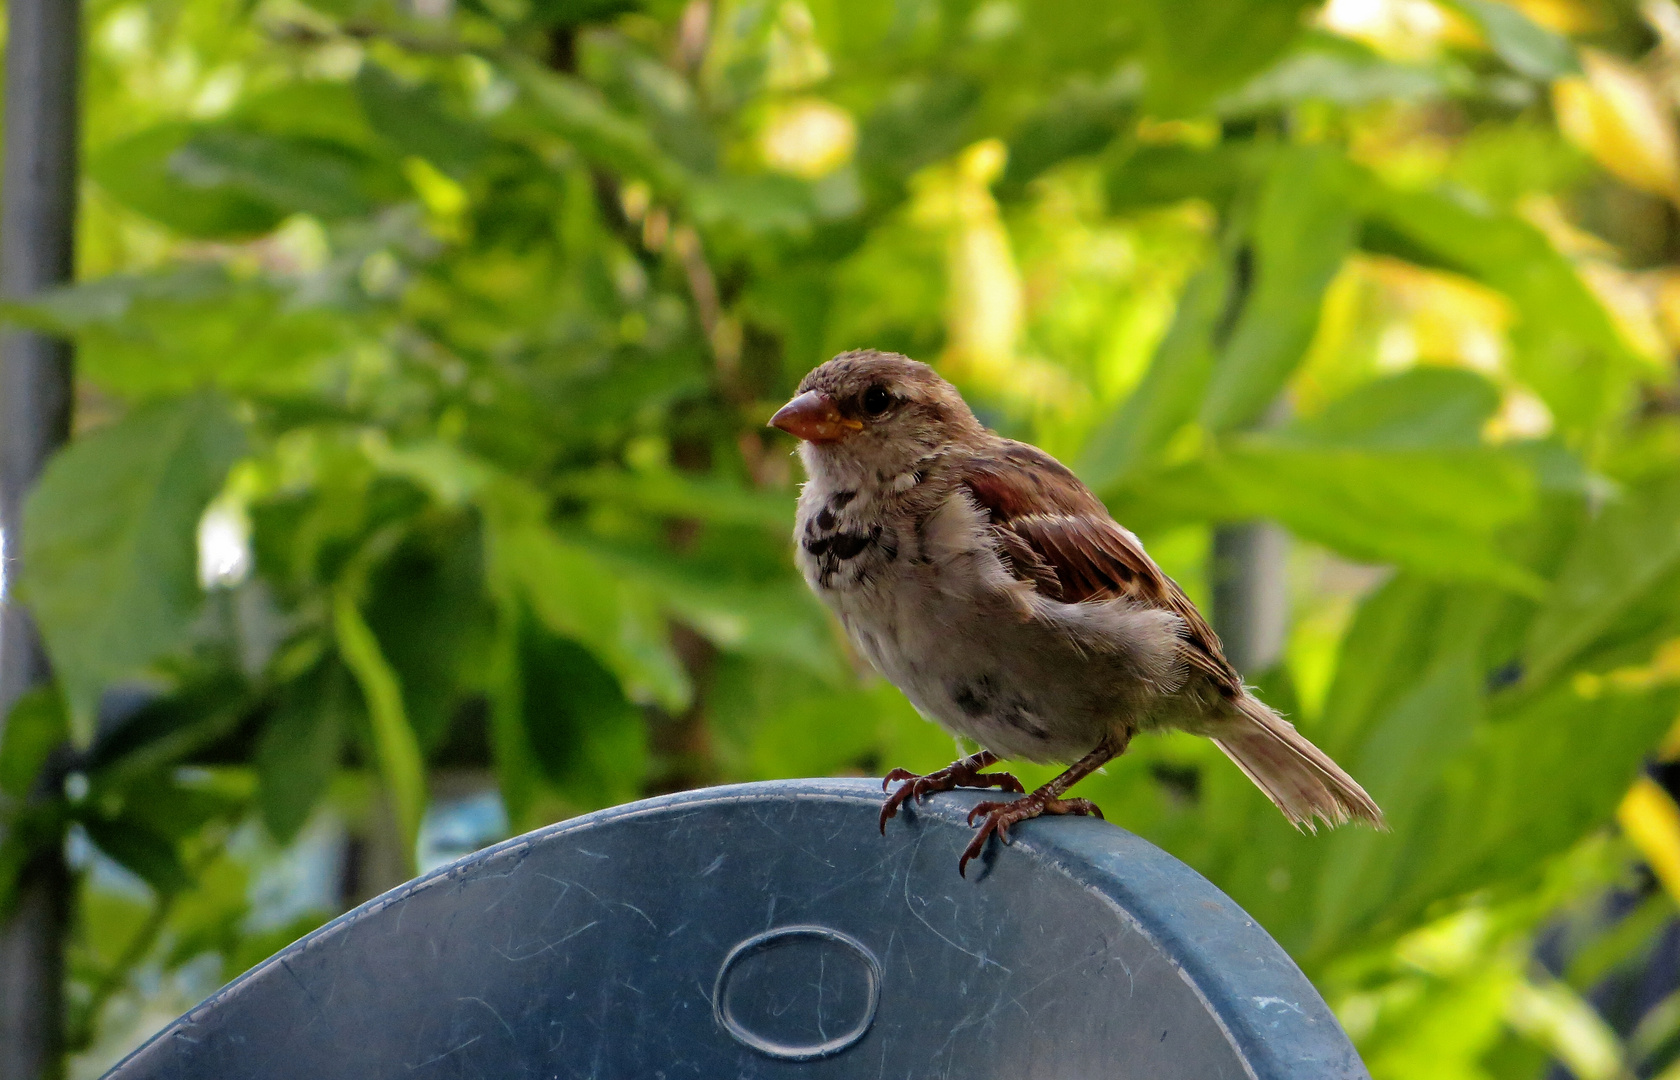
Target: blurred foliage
pixel 426 346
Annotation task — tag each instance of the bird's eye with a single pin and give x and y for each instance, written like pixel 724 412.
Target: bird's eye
pixel 876 400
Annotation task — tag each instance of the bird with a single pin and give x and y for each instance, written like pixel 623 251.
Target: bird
pixel 992 587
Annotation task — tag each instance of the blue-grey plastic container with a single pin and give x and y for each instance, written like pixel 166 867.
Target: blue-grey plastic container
pixel 768 930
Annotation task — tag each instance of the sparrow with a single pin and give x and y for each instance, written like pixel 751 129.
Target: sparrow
pixel 980 577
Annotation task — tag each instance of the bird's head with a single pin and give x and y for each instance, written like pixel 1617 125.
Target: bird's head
pixel 869 412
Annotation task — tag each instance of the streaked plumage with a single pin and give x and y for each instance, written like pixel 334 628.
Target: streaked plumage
pixel 985 581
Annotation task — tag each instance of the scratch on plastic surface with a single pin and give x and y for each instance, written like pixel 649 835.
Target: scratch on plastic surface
pixel 717 862
pixel 950 1041
pixel 446 1053
pixel 492 1010
pixel 982 957
pixel 779 829
pixel 865 872
pixel 639 911
pixel 506 954
pixel 1266 1002
pixel 1016 999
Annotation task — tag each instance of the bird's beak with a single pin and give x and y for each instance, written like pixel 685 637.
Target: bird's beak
pixel 813 416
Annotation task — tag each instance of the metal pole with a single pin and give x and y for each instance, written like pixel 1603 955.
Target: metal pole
pixel 1251 594
pixel 37 226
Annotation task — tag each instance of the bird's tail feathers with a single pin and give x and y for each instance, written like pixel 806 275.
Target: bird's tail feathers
pixel 1296 775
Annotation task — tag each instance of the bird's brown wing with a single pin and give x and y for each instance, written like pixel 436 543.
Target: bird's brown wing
pixel 1059 538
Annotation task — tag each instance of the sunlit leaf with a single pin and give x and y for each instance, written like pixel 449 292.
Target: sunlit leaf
pixel 1171 391
pixel 1304 227
pixel 1419 409
pixel 1528 47
pixel 1567 347
pixel 1620 556
pixel 1336 70
pixel 110 542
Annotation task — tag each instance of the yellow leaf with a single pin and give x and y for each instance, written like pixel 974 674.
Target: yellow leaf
pixel 1651 820
pixel 1614 113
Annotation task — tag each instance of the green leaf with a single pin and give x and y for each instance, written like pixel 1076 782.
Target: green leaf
pixel 135 171
pixel 151 856
pixel 416 121
pixel 921 120
pixel 557 13
pixel 1303 229
pixel 1581 751
pixel 1528 47
pixel 229 181
pixel 1336 70
pixel 1400 759
pixel 1171 389
pixel 667 492
pixel 1150 175
pixel 394 743
pixel 178 804
pixel 1632 544
pixel 588 739
pixel 779 620
pixel 577 595
pixel 165 334
pixel 1196 48
pixel 110 542
pixel 1566 345
pixel 36 724
pixel 578 113
pixel 298 752
pixel 514 757
pixel 425 604
pixel 287 174
pixel 760 206
pixel 1079 121
pixel 771 722
pixel 1427 407
pixel 171 728
pixel 1393 640
pixel 1434 511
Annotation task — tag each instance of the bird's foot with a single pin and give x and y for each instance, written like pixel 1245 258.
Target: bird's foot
pixel 1001 815
pixel 964 773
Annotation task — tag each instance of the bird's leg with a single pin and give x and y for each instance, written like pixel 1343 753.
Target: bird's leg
pixel 962 773
pixel 1045 800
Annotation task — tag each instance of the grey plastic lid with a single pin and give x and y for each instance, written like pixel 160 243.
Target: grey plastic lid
pixel 768 930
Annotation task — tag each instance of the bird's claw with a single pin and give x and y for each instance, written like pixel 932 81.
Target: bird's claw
pixel 949 778
pixel 1000 815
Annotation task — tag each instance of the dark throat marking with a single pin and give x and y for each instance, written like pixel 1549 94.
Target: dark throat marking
pixel 842 546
